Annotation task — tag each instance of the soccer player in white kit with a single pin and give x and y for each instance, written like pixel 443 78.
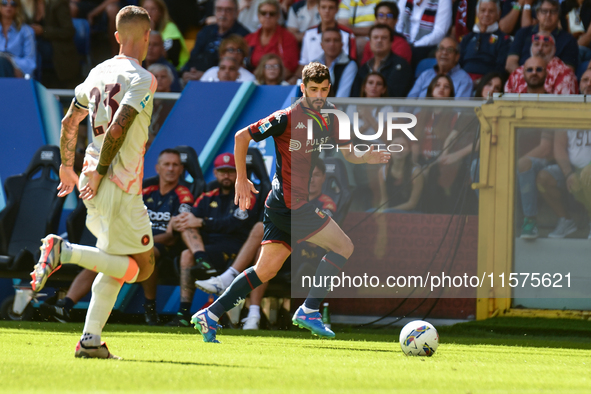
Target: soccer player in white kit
pixel 118 97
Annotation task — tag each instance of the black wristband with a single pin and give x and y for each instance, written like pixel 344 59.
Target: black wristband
pixel 102 170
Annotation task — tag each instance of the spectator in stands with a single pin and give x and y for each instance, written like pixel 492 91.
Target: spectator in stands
pixel 302 16
pixel 585 85
pixel 342 69
pixel 235 47
pixel 530 164
pixel 401 180
pixel 270 71
pixel 572 173
pixel 92 10
pixel 387 13
pixel 205 52
pixel 486 48
pixel 357 15
pixel 189 13
pixel 228 70
pixel 17 41
pixel 560 78
pixel 517 14
pixel 272 38
pixel 433 129
pixel 566 46
pixel 489 84
pixel 395 69
pixel 157 55
pixel 164 76
pixel 248 15
pixel 576 19
pixel 174 42
pixel 54 31
pixel 448 56
pixel 213 231
pixel 164 201
pixel 312 41
pixel 424 24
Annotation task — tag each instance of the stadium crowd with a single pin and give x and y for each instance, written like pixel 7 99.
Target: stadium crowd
pixel 403 48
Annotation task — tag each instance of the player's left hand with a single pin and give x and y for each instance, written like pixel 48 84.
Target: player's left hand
pixel 68 181
pixel 90 190
pixel 377 157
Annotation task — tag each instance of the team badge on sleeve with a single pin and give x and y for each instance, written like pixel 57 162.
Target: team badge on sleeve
pixel 145 100
pixel 264 127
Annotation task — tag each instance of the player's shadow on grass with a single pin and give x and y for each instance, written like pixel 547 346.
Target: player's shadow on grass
pixel 349 349
pixel 184 363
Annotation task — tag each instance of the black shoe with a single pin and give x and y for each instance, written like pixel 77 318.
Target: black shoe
pixel 179 321
pixel 203 270
pixel 151 315
pixel 56 312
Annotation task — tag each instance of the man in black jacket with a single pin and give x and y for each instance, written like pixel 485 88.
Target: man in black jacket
pixel 398 74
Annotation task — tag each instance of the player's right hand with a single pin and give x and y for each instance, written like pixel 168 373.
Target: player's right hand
pixel 243 189
pixel 68 181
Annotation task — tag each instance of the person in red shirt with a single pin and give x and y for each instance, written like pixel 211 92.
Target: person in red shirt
pixel 387 14
pixel 272 38
pixel 560 78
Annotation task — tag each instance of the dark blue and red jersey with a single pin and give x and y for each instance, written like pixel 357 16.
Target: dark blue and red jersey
pixel 325 204
pixel 296 154
pixel 224 221
pixel 161 208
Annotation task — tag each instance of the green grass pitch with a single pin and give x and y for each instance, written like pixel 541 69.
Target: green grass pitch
pixel 496 356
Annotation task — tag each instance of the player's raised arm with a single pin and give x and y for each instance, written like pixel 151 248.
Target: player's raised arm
pixel 114 138
pixel 243 185
pixel 373 156
pixel 68 139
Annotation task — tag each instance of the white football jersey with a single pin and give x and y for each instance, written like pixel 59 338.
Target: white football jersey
pixel 579 147
pixel 113 83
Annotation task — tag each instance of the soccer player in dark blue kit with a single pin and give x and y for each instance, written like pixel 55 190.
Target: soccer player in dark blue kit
pixel 288 214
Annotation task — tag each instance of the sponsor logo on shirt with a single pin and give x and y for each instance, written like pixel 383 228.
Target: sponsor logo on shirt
pixel 145 100
pixel 294 145
pixel 300 126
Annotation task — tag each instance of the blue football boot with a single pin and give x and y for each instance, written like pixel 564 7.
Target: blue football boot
pixel 206 326
pixel 313 322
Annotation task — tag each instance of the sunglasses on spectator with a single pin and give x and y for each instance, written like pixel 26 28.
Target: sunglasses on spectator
pixel 537 69
pixel 537 37
pixel 7 3
pixel 449 50
pixel 233 50
pixel 388 15
pixel 268 13
pixel 271 66
pixel 548 11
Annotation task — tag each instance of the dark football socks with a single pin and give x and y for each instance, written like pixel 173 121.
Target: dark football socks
pixel 242 285
pixel 330 265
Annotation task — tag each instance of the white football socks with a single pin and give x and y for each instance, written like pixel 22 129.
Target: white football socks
pixel 104 294
pixel 228 276
pixel 94 259
pixel 254 311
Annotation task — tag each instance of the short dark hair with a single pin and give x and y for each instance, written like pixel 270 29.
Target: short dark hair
pixel 486 79
pixel 392 6
pixel 554 3
pixel 315 72
pixel 433 82
pixel 381 26
pixel 132 13
pixel 334 1
pixel 334 28
pixel 320 164
pixel 169 150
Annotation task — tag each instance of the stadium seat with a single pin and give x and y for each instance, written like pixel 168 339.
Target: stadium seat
pixel 336 186
pixel 425 64
pixel 32 211
pixel 82 42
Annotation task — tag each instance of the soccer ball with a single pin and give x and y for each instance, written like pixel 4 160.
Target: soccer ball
pixel 419 338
